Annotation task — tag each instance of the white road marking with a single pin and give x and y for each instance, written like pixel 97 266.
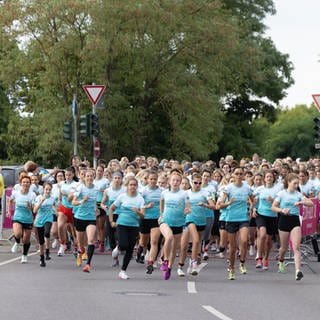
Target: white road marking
pixel 15 259
pixel 191 287
pixel 216 313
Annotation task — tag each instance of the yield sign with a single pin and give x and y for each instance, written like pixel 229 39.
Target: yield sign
pixel 316 98
pixel 94 92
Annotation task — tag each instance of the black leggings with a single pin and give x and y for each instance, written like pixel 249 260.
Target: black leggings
pixel 44 232
pixel 111 232
pixel 127 237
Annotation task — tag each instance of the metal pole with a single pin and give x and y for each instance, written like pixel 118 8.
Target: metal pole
pixel 74 113
pixel 94 141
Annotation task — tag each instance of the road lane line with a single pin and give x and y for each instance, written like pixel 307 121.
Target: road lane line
pixel 216 313
pixel 191 287
pixel 15 259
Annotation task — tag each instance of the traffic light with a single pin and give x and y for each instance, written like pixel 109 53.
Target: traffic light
pixel 317 128
pixel 85 124
pixel 67 130
pixel 94 125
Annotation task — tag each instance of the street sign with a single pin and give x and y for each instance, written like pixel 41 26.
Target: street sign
pixel 96 148
pixel 94 92
pixel 316 99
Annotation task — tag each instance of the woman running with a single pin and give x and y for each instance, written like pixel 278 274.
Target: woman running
pixel 101 184
pixel 266 219
pixel 44 210
pixel 85 198
pixel 287 203
pixel 149 227
pixel 174 205
pixel 236 196
pixel 65 214
pixel 130 209
pixel 23 199
pixel 109 196
pixel 195 224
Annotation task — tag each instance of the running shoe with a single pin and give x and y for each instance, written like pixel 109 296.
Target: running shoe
pixel 15 247
pixel 265 264
pixel 86 268
pixel 205 256
pixel 55 243
pixel 281 267
pixel 180 272
pixel 42 263
pixel 101 247
pixel 115 263
pixel 123 275
pixel 164 265
pixel 242 268
pixel 115 253
pixel 299 275
pixel 149 269
pixel 251 250
pixel 259 263
pixel 79 259
pixel 167 274
pixel 189 269
pixel 221 255
pixel 75 252
pixel 24 259
pixel 231 275
pixel 84 256
pixel 61 250
pixel 48 256
pixel 194 270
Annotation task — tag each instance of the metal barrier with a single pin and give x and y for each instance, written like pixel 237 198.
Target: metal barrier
pixel 6 222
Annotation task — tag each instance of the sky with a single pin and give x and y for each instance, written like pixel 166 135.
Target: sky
pixel 295 30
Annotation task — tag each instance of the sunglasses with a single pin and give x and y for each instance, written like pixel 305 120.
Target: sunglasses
pixel 196 182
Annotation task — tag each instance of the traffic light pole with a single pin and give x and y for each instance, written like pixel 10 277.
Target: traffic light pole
pixel 94 141
pixel 74 114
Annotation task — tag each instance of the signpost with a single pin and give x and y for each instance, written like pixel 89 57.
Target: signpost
pixel 94 93
pixel 316 99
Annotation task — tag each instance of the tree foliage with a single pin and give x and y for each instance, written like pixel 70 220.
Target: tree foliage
pixel 169 66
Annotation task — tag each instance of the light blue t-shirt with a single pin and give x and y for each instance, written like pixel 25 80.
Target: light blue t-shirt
pixel 262 193
pixel 174 205
pixel 86 210
pixel 152 195
pixel 211 189
pixel 307 189
pixel 113 194
pixel 101 185
pixel 22 213
pixel 65 189
pixel 46 211
pixel 287 200
pixel 238 210
pixel 198 214
pixel 125 203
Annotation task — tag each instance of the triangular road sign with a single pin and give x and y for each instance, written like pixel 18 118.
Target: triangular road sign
pixel 94 92
pixel 316 98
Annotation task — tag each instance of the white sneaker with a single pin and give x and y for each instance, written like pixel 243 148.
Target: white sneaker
pixel 123 275
pixel 221 255
pixel 205 256
pixel 115 253
pixel 180 272
pixel 15 247
pixel 55 244
pixel 24 259
pixel 61 250
pixel 194 269
pixel 251 250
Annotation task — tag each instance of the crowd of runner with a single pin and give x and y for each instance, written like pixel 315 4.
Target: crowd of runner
pixel 165 209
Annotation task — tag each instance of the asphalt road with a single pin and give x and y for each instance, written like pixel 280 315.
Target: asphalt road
pixel 62 291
